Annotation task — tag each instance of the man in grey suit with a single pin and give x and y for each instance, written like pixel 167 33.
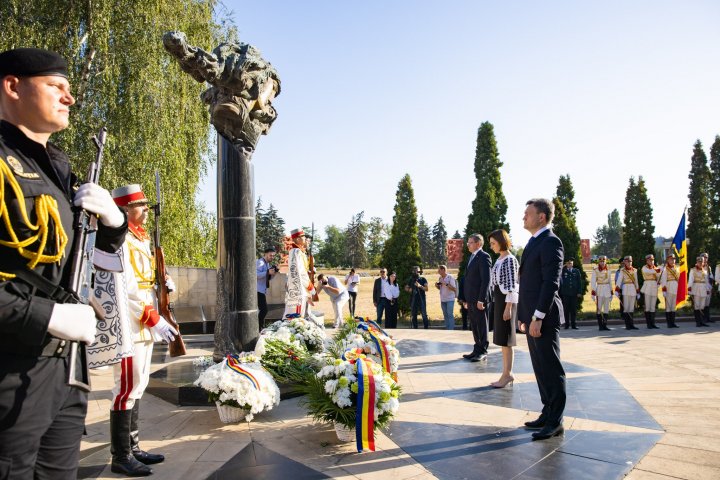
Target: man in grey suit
pixel 540 309
pixel 476 291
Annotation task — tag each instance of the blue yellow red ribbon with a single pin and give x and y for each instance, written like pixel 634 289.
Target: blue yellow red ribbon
pixel 369 325
pixel 382 350
pixel 365 413
pixel 234 365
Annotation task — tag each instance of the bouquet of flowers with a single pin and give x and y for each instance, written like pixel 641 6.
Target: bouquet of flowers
pixel 354 392
pixel 374 342
pixel 308 333
pixel 287 362
pixel 240 382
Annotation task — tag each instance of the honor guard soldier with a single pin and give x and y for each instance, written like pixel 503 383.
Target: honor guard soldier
pixel 601 290
pixel 651 275
pixel 300 289
pixel 627 286
pixel 132 374
pixel 669 278
pixel 42 418
pixel 711 280
pixel 698 288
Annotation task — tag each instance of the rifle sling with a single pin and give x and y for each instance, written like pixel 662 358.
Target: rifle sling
pixel 51 291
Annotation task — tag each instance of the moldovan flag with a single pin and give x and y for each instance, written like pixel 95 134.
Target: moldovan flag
pixel 680 249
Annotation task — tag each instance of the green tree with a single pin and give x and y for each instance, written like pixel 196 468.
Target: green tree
pixel 608 238
pixel 332 251
pixel 269 228
pixel 425 240
pixel 566 194
pixel 439 241
pixel 715 200
pixel 402 249
pixel 638 237
pixel 565 226
pixel 489 205
pixel 378 232
pixel 698 215
pixel 355 236
pixel 122 79
pixel 456 235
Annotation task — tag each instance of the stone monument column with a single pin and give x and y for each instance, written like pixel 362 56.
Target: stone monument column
pixel 242 86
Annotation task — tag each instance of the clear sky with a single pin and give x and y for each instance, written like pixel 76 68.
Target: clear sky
pixel 376 89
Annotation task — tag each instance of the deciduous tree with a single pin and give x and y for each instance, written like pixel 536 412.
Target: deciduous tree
pixel 608 238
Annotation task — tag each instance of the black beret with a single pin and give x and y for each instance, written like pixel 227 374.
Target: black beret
pixel 32 62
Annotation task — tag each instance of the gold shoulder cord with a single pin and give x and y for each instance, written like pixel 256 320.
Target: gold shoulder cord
pixel 46 209
pixel 144 281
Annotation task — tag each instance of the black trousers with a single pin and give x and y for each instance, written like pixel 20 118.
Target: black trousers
pixel 479 326
pixel 262 309
pixel 549 372
pixel 391 314
pixel 570 308
pixel 42 419
pixel 351 302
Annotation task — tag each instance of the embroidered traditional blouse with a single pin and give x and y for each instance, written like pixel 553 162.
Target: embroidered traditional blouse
pixel 505 276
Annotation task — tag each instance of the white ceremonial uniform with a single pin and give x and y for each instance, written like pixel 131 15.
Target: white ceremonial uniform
pixel 698 287
pixel 650 286
pixel 298 287
pixel 601 287
pixel 132 374
pixel 669 278
pixel 627 285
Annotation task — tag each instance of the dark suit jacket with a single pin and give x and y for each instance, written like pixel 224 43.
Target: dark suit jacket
pixel 476 282
pixel 377 290
pixel 540 268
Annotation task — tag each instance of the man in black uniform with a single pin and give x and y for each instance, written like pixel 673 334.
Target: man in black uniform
pixel 41 417
pixel 570 291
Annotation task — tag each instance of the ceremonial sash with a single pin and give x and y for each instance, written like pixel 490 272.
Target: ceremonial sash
pixel 365 413
pixel 674 273
pixel 234 365
pixel 630 276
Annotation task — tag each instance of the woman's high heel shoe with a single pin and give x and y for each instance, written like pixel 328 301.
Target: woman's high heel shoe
pixel 503 383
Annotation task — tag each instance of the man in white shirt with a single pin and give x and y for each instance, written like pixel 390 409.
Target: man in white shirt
pixel 338 295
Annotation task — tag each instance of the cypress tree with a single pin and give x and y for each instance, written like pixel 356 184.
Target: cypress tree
pixel 425 240
pixel 489 205
pixel 439 240
pixel 698 215
pixel 638 237
pixel 715 200
pixel 402 248
pixel 565 226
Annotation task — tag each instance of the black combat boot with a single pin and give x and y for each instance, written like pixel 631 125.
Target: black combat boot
pixel 668 319
pixel 652 320
pixel 706 315
pixel 630 322
pixel 672 319
pixel 699 319
pixel 122 459
pixel 140 455
pixel 604 323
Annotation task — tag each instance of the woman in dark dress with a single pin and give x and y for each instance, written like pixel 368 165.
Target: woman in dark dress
pixel 504 285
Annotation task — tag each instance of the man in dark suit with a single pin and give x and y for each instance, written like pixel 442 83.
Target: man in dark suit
pixel 540 309
pixel 379 300
pixel 476 292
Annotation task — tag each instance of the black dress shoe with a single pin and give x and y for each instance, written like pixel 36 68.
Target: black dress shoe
pixel 575 328
pixel 468 356
pixel 548 432
pixel 479 357
pixel 148 458
pixel 535 424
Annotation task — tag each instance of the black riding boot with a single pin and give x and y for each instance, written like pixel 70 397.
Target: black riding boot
pixel 668 319
pixel 122 459
pixel 600 322
pixel 629 323
pixel 652 320
pixel 699 319
pixel 604 322
pixel 706 315
pixel 647 320
pixel 140 455
pixel 672 319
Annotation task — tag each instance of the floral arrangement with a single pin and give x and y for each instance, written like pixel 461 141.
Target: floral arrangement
pixel 287 362
pixel 374 342
pixel 293 328
pixel 240 381
pixel 334 395
pixel 203 361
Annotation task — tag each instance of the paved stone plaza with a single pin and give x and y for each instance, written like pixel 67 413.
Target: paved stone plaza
pixel 642 404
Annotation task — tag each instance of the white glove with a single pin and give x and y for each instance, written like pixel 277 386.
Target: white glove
pixel 170 284
pixel 97 200
pixel 638 296
pixel 164 330
pixel 73 321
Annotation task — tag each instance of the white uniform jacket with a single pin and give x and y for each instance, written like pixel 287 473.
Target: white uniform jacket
pixel 600 282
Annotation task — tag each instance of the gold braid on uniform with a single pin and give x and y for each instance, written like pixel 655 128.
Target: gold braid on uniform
pixel 144 281
pixel 46 209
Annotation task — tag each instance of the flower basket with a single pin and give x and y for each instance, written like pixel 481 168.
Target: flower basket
pixel 344 433
pixel 229 414
pixel 240 387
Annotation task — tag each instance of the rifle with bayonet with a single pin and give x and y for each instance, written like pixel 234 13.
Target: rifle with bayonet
pixel 176 348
